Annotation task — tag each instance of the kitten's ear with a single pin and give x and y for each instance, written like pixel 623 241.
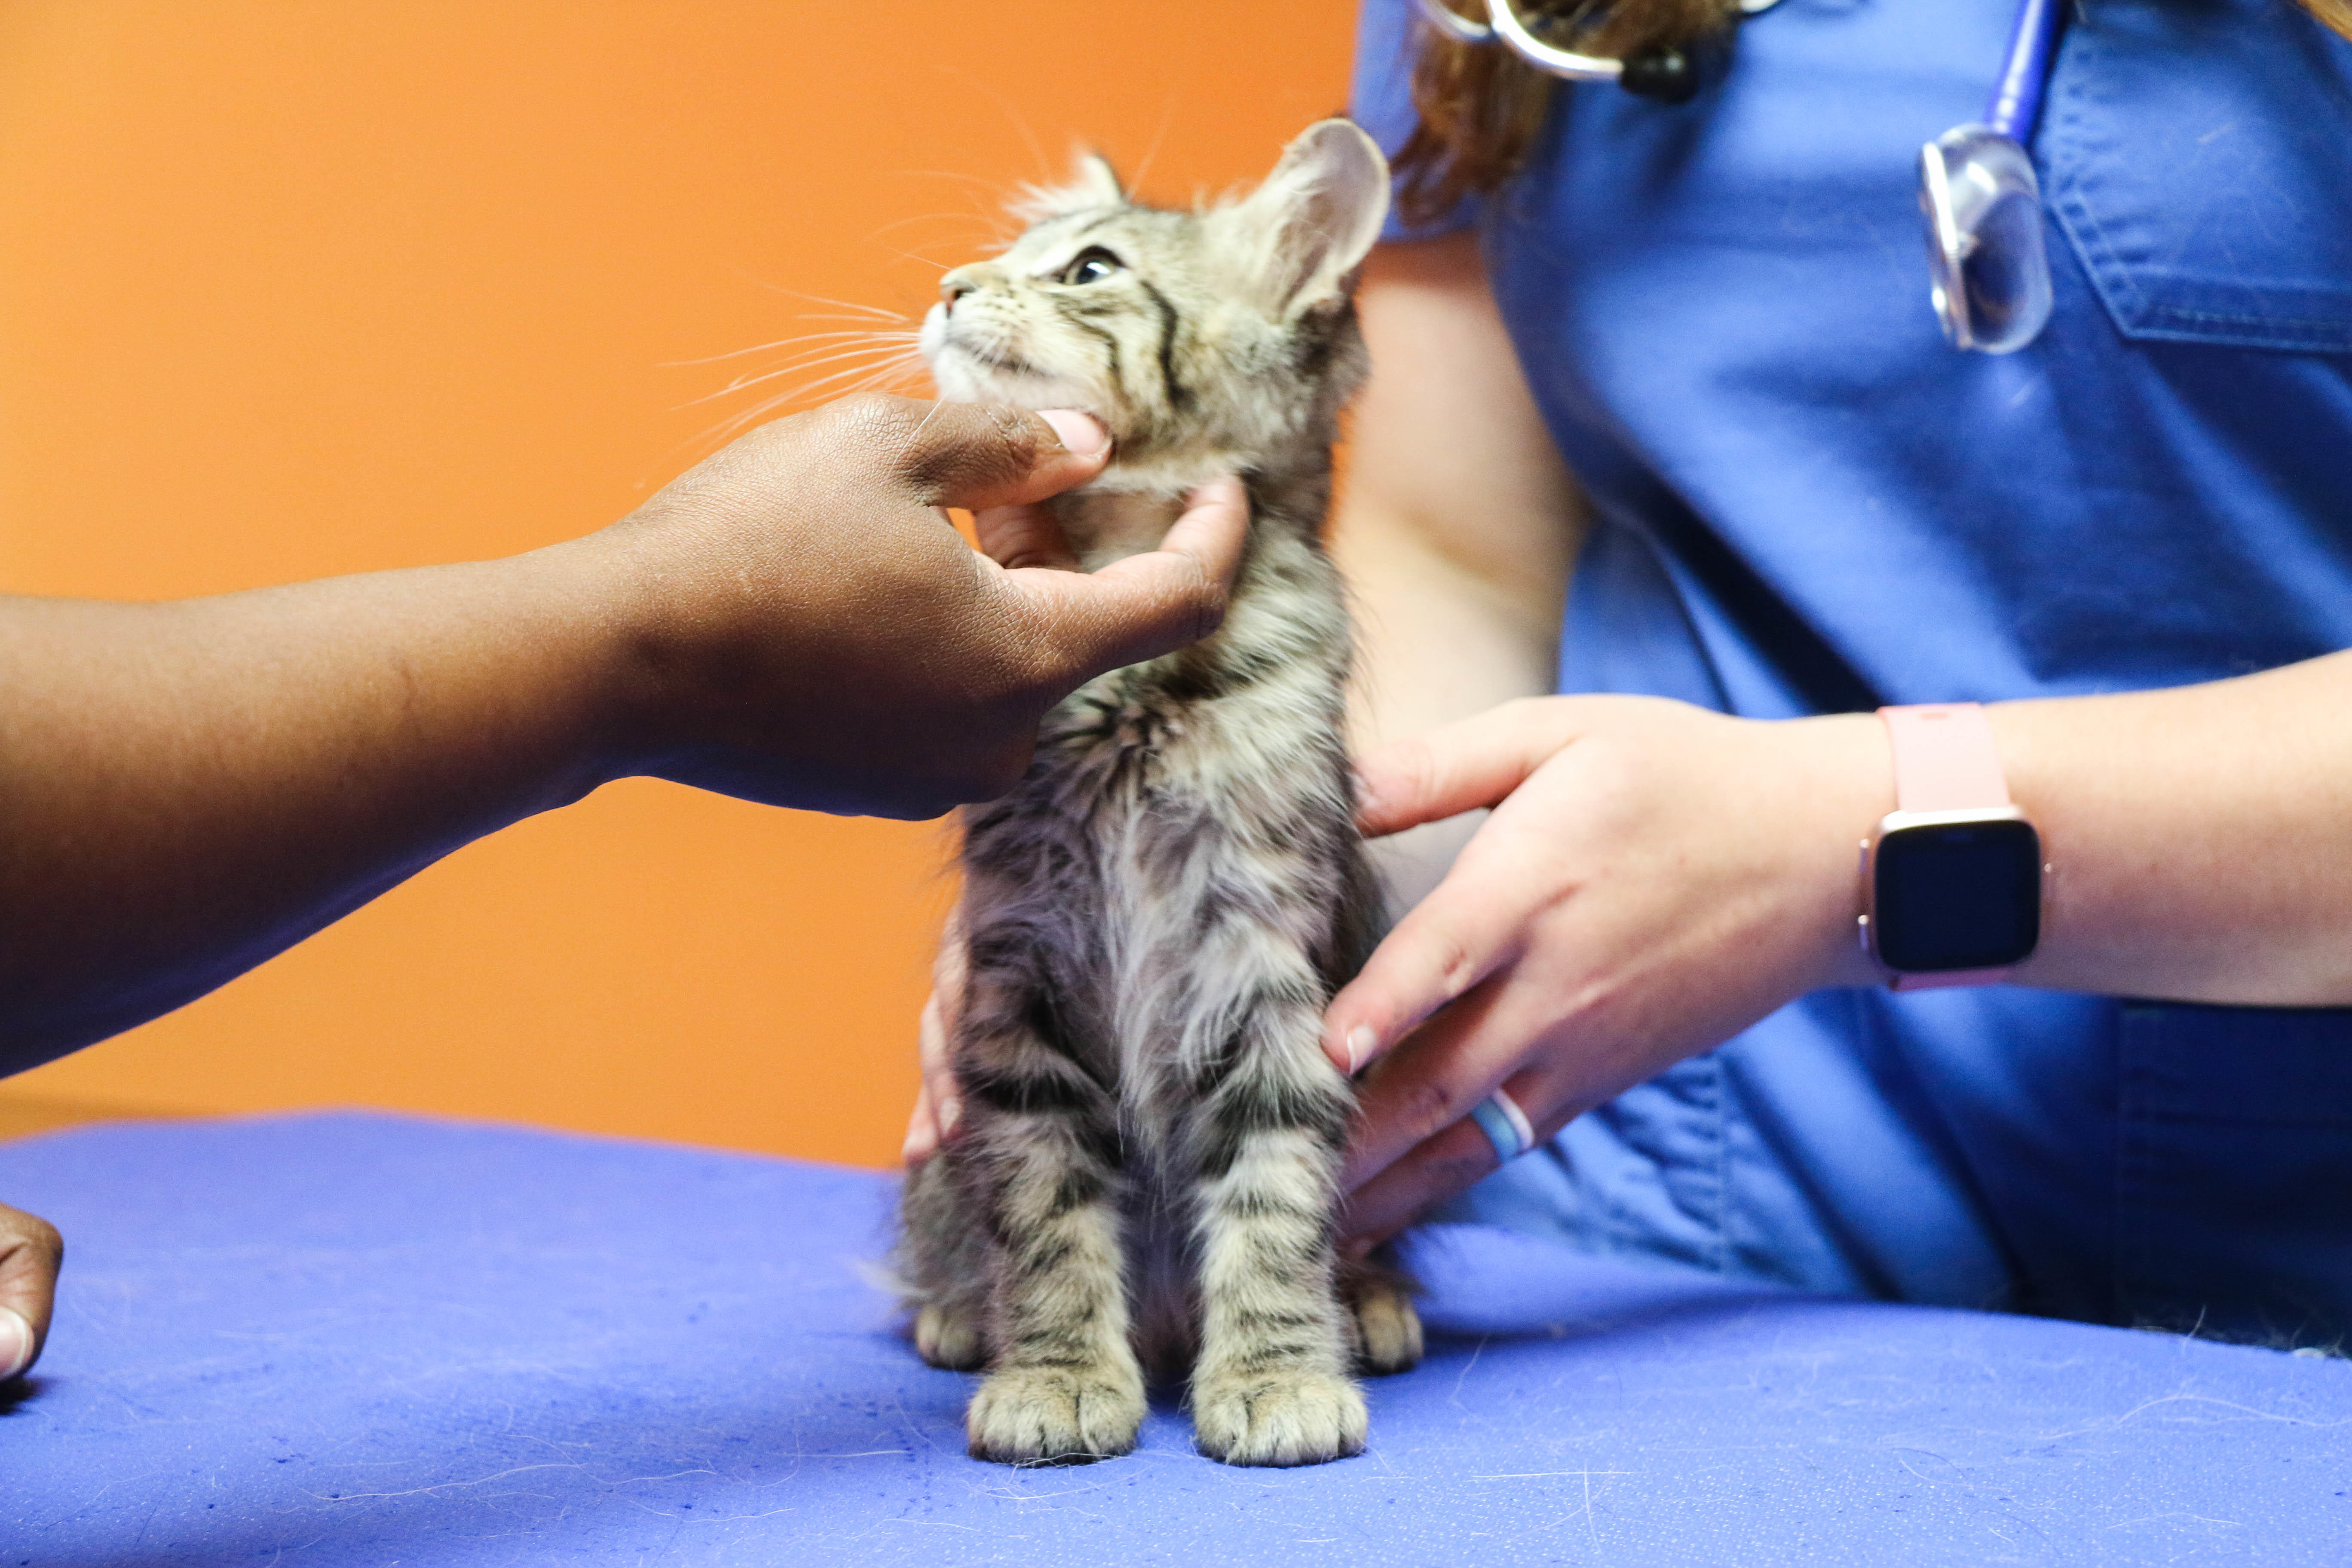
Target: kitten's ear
pixel 1307 228
pixel 1100 181
pixel 1092 184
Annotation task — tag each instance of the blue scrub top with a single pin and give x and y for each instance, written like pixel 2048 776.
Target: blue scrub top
pixel 1806 502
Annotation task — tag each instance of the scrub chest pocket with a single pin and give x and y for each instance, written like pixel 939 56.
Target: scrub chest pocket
pixel 2196 220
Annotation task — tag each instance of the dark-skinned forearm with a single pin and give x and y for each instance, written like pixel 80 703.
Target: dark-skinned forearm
pixel 192 788
pixel 189 788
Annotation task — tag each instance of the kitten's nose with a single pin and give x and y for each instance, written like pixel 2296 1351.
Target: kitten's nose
pixel 956 285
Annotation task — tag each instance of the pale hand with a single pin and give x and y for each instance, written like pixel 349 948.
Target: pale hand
pixel 1653 879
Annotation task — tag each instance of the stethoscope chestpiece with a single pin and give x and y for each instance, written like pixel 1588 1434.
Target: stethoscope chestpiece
pixel 1987 263
pixel 1988 271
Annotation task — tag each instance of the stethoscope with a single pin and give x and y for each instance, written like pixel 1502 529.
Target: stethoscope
pixel 1989 271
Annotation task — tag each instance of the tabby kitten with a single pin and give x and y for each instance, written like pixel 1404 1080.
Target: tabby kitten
pixel 1155 917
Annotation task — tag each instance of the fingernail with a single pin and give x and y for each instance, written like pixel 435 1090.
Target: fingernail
pixel 15 1343
pixel 950 1112
pixel 1080 433
pixel 1360 1041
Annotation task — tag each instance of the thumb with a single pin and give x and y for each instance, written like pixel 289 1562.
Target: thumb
pixel 977 455
pixel 1144 606
pixel 30 1253
pixel 1457 767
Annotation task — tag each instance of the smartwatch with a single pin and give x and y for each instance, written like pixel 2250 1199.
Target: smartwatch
pixel 1952 881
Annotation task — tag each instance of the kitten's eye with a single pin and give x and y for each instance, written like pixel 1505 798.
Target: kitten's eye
pixel 1092 264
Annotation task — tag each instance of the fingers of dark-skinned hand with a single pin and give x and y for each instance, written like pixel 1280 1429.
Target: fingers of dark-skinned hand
pixel 976 456
pixel 1149 604
pixel 30 1253
pixel 873 448
pixel 794 623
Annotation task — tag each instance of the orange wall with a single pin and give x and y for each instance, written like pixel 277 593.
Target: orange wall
pixel 289 290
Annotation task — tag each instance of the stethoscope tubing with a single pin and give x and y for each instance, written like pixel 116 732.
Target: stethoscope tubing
pixel 2016 101
pixel 1504 18
pixel 2008 122
pixel 1503 25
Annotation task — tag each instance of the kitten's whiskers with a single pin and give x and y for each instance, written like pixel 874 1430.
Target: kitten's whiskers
pixel 880 354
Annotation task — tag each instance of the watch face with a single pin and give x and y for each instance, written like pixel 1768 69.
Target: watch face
pixel 1958 896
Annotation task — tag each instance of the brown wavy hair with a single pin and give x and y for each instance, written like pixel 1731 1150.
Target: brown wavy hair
pixel 1480 106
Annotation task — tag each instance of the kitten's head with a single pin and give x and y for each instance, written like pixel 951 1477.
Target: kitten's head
pixel 1211 340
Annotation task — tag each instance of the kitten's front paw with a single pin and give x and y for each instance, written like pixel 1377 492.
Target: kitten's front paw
pixel 1388 1330
pixel 948 1338
pixel 1054 1416
pixel 1278 1418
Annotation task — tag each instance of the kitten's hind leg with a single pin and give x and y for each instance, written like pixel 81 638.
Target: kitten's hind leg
pixel 1272 1386
pixel 1388 1329
pixel 942 1266
pixel 1065 1386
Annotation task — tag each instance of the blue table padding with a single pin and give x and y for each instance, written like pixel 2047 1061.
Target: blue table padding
pixel 361 1339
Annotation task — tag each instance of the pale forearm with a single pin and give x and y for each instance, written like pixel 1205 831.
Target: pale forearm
pixel 2202 837
pixel 1458 520
pixel 1457 524
pixel 1435 642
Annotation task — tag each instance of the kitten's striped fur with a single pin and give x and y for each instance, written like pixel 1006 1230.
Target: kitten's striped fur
pixel 1155 916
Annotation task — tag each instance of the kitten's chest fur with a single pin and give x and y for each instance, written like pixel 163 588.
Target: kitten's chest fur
pixel 1182 818
pixel 1245 724
pixel 1166 793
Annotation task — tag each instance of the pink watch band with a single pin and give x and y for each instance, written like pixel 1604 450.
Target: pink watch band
pixel 1945 760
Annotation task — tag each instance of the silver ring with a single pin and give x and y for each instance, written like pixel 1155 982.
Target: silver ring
pixel 1506 1127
